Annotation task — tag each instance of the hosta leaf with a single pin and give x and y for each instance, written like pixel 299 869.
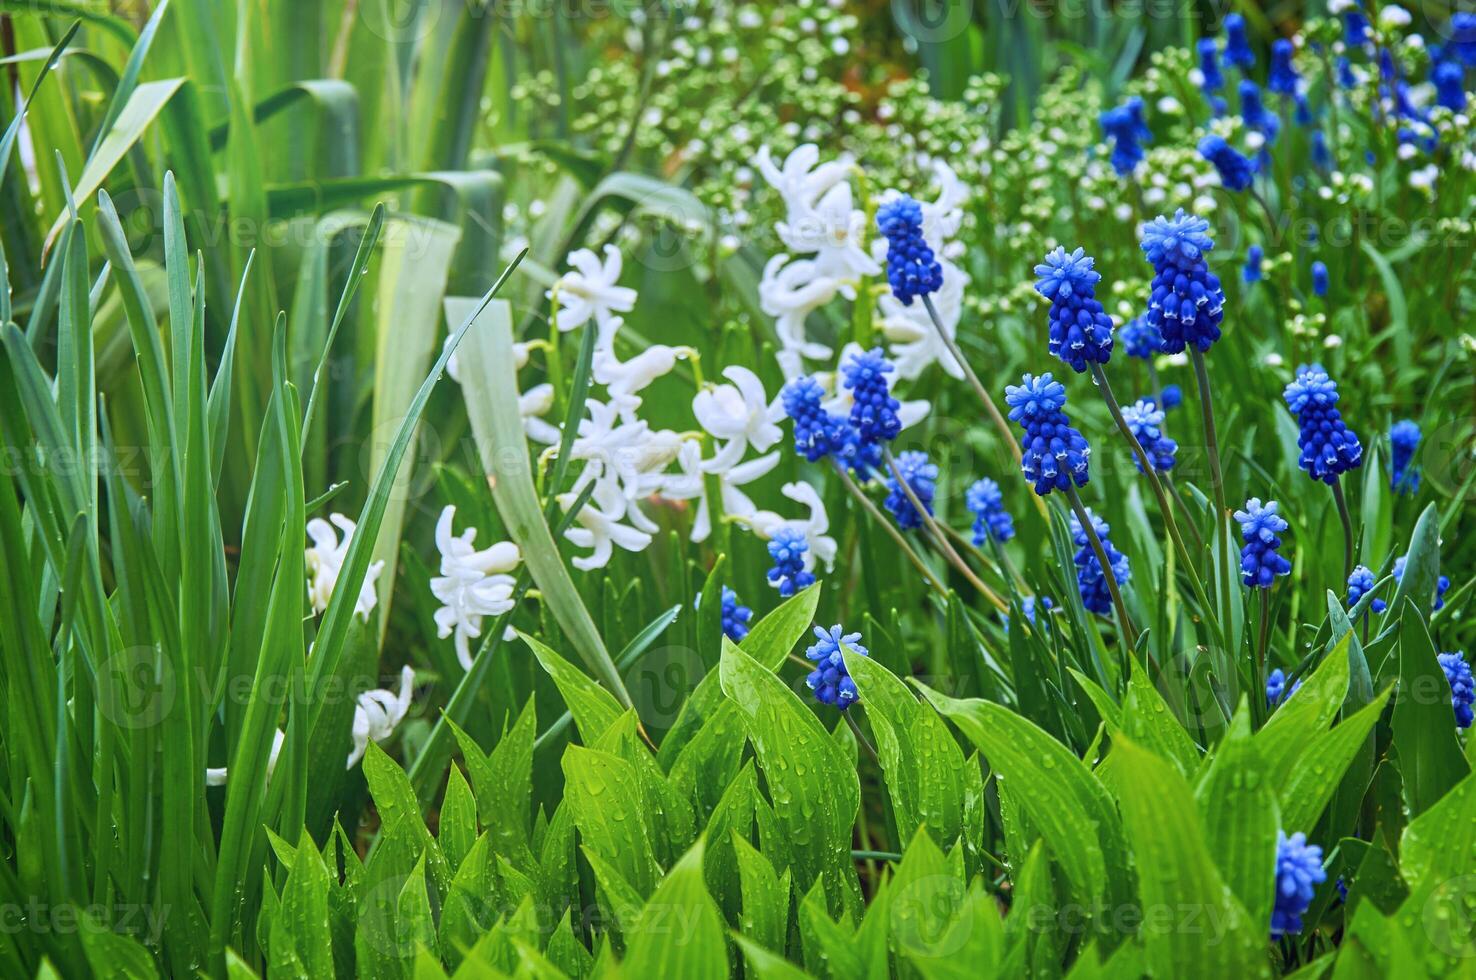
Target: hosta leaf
pixel 816 793
pixel 1063 800
pixel 1430 758
pixel 679 933
pixel 1192 923
pixel 765 915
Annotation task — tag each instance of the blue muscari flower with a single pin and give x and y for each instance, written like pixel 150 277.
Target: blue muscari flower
pixel 1303 115
pixel 912 270
pixel 1260 559
pixel 1449 80
pixel 1404 438
pixel 1276 690
pixel 1319 278
pixel 1328 446
pixel 1253 111
pixel 788 548
pixel 1145 420
pixel 1462 33
pixel 1186 304
pixel 1360 584
pixel 1298 873
pixel 1209 66
pixel 1237 47
pixel 817 433
pixel 830 680
pixel 1090 581
pixel 1054 455
pixel 1237 171
pixel 1442 583
pixel 1283 78
pixel 986 502
pixel 1140 338
pixel 1080 331
pixel 1321 155
pixel 920 476
pixel 735 617
pixel 1126 127
pixel 1346 78
pixel 1462 688
pixel 1254 258
pixel 1030 604
pixel 1171 397
pixel 1355 27
pixel 874 410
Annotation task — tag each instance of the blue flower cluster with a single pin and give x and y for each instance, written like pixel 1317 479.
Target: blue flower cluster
pixel 1054 455
pixel 1260 559
pixel 735 616
pixel 1186 304
pixel 1090 581
pixel 1298 873
pixel 1171 397
pixel 1319 278
pixel 1254 113
pixel 1140 338
pixel 818 433
pixel 788 549
pixel 1030 605
pixel 1449 79
pixel 1255 258
pixel 986 502
pixel 1462 687
pixel 1127 129
pixel 830 680
pixel 1210 79
pixel 912 269
pixel 1360 583
pixel 1283 78
pixel 920 476
pixel 1237 171
pixel 1080 331
pixel 1145 420
pixel 1404 439
pixel 874 410
pixel 1328 446
pixel 1276 689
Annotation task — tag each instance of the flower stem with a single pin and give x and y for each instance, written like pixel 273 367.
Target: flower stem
pixel 1347 519
pixel 941 540
pixel 1129 634
pixel 994 413
pixel 896 535
pixel 1217 485
pixel 1146 465
pixel 1173 488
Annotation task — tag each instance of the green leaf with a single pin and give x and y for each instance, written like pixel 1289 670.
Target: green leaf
pixel 1319 771
pixel 302 941
pixel 115 954
pixel 816 793
pixel 1062 798
pixel 1237 804
pixel 503 780
pixel 1149 721
pixel 457 832
pixel 1192 924
pixel 607 804
pixel 765 915
pixel 660 947
pixel 594 708
pixel 1304 715
pixel 1430 757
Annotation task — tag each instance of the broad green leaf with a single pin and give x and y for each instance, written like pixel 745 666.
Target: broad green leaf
pixel 816 793
pixel 1319 771
pixel 594 708
pixel 765 915
pixel 1237 805
pixel 503 780
pixel 302 941
pixel 607 805
pixel 829 946
pixel 116 954
pixel 1149 721
pixel 766 965
pixel 457 832
pixel 1192 924
pixel 973 938
pixel 1430 758
pixel 693 947
pixel 1063 800
pixel 1304 715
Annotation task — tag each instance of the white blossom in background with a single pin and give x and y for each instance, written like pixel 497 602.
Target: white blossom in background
pixel 472 583
pixel 802 178
pixel 832 230
pixel 740 414
pixel 592 292
pixel 533 404
pixel 790 293
pixel 914 340
pixel 690 484
pixel 217 775
pixel 325 562
pixel 765 523
pixel 599 528
pixel 378 713
pixel 623 380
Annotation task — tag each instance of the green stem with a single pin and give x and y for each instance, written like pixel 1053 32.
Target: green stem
pixel 896 535
pixel 1347 519
pixel 1217 485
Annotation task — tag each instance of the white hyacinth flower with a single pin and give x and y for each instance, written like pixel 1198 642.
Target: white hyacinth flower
pixel 592 292
pixel 599 528
pixel 533 404
pixel 740 414
pixel 915 343
pixel 690 484
pixel 472 583
pixel 325 561
pixel 378 713
pixel 765 523
pixel 217 775
pixel 802 178
pixel 624 379
pixel 832 230
pixel 790 293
